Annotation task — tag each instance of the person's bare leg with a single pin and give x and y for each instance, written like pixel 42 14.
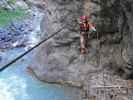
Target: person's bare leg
pixel 82 44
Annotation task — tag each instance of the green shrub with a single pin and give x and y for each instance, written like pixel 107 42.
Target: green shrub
pixel 11 1
pixel 6 16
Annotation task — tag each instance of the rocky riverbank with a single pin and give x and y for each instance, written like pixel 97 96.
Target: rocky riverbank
pixel 15 34
pixel 20 33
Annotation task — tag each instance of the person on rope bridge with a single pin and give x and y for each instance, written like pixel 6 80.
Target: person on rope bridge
pixel 85 28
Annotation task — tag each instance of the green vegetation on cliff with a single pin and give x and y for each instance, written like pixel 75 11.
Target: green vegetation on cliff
pixel 6 16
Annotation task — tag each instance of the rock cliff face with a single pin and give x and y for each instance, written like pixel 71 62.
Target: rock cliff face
pixel 110 51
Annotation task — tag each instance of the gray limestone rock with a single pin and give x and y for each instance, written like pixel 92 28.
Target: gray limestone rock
pixel 59 60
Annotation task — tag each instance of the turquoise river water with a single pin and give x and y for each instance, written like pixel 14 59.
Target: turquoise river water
pixel 17 84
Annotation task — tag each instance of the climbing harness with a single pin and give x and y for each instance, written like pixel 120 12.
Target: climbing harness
pixel 22 55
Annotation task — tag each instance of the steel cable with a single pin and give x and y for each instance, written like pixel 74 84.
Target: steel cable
pixel 28 51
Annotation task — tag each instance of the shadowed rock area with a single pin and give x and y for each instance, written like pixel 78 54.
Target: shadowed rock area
pixel 110 52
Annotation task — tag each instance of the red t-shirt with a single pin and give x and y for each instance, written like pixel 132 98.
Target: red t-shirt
pixel 84 27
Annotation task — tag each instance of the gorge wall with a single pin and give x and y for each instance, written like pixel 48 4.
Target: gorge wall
pixel 110 63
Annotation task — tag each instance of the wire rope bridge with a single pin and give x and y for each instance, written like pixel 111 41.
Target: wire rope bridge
pixel 103 92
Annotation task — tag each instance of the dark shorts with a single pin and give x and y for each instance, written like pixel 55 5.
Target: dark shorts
pixel 84 30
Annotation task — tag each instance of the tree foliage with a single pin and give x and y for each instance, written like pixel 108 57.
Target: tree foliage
pixel 11 1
